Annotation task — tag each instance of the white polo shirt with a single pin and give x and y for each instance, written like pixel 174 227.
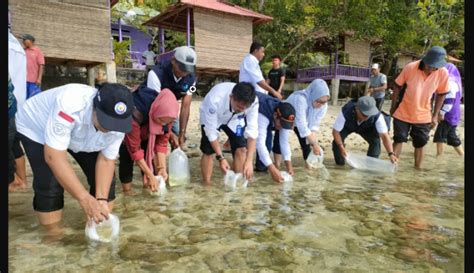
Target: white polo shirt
pixel 215 111
pixel 308 119
pixel 17 68
pixel 263 153
pixel 380 124
pixel 62 118
pixel 250 72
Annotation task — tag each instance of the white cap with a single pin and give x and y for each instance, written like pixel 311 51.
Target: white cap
pixel 375 66
pixel 186 58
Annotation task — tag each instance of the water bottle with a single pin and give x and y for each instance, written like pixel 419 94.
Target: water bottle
pixel 178 168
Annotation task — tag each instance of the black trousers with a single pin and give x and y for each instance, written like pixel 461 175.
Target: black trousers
pixel 372 137
pixel 49 194
pixel 11 156
pixel 126 163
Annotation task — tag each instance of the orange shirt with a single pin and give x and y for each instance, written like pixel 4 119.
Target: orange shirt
pixel 415 106
pixel 34 58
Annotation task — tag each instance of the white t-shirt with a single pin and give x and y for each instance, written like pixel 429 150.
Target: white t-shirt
pixel 380 124
pixel 62 118
pixel 262 151
pixel 215 111
pixel 17 68
pixel 149 57
pixel 250 72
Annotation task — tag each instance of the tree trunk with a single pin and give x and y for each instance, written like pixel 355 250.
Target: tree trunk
pixel 261 3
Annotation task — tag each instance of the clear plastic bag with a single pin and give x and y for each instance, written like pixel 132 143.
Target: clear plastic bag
pixel 178 168
pixel 162 190
pixel 286 176
pixel 234 180
pixel 363 162
pixel 315 161
pixel 105 231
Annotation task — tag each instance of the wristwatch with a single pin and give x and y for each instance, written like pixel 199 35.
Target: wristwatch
pixel 220 157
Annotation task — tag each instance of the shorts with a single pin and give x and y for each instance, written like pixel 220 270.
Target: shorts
pixel 235 141
pixel 32 89
pixel 49 194
pixel 446 132
pixel 420 133
pixel 16 147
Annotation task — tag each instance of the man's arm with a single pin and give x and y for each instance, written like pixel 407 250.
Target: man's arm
pixel 282 83
pixel 40 74
pixel 184 117
pixel 103 176
pixel 387 143
pixel 268 88
pixel 438 103
pixel 338 139
pixel 394 98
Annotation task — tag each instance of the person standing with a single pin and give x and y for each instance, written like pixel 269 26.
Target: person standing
pixel 276 75
pixel 414 116
pixel 90 125
pixel 250 70
pixel 149 56
pixel 377 86
pixel 34 66
pixel 450 114
pixel 232 108
pixel 362 117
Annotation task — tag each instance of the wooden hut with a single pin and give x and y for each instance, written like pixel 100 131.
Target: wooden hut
pixel 351 64
pixel 222 32
pixel 69 32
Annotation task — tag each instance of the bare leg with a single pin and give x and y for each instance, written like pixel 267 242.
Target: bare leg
pixel 397 148
pixel 21 170
pixel 227 146
pixel 239 159
pixel 127 188
pixel 439 148
pixel 207 163
pixel 459 150
pixel 277 160
pixel 418 158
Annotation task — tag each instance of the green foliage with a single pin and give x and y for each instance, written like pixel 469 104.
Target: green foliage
pixel 121 53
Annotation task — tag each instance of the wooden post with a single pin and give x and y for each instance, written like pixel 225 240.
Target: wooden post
pixel 110 72
pixel 334 91
pixel 91 75
pixel 162 40
pixel 188 28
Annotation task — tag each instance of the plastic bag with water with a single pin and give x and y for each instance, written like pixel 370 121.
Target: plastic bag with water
pixel 315 161
pixel 286 176
pixel 105 231
pixel 363 162
pixel 234 180
pixel 162 190
pixel 179 173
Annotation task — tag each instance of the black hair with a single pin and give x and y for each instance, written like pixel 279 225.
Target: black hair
pixel 276 57
pixel 244 92
pixel 255 46
pixel 421 66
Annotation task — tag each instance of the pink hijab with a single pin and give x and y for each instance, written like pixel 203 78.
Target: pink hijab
pixel 165 105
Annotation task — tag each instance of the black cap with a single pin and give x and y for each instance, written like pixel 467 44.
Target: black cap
pixel 28 37
pixel 286 113
pixel 114 105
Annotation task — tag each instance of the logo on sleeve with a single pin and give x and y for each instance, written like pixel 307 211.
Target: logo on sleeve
pixel 66 117
pixel 120 108
pixel 212 110
pixel 59 129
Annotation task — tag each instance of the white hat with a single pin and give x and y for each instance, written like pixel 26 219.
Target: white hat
pixel 186 58
pixel 375 66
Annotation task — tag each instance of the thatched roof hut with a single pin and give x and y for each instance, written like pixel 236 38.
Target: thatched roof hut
pixel 222 32
pixel 69 32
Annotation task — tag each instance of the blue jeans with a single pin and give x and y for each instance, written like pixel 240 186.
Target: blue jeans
pixel 32 89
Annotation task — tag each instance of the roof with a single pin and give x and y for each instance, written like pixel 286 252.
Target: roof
pixel 175 16
pixel 113 2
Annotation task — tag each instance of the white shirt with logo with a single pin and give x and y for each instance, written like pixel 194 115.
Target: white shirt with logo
pixel 262 151
pixel 215 111
pixel 62 118
pixel 250 72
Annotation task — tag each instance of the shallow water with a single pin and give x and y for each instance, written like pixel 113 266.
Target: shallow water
pixel 327 220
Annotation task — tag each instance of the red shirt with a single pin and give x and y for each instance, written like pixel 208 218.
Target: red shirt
pixel 139 133
pixel 34 58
